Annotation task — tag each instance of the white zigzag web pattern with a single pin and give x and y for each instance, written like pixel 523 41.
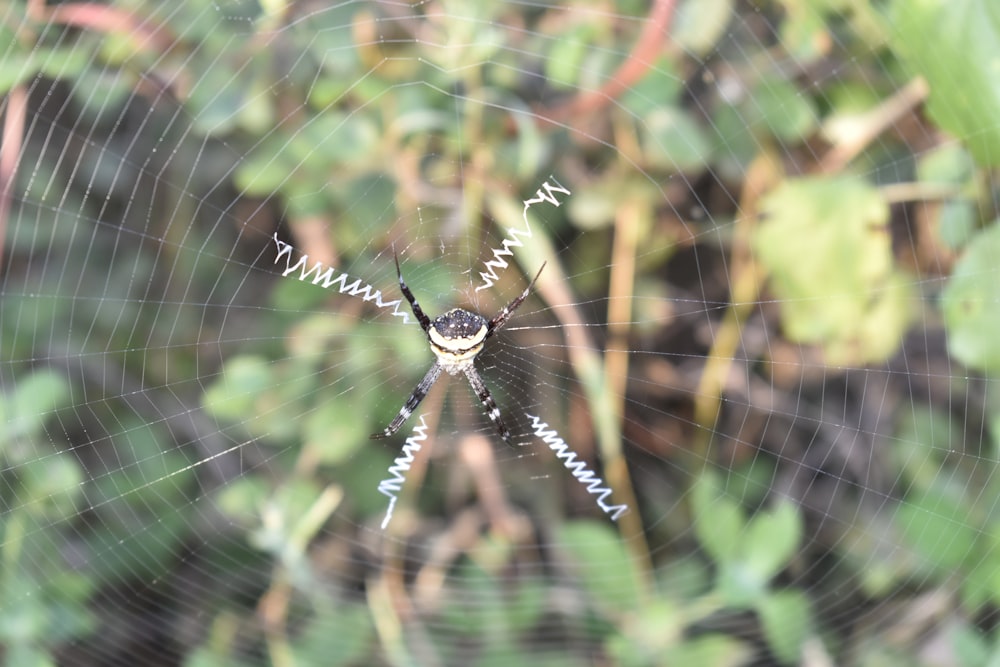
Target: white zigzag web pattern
pixel 498 261
pixel 324 278
pixel 578 468
pixel 391 486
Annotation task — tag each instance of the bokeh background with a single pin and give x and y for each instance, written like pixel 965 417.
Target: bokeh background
pixel 767 322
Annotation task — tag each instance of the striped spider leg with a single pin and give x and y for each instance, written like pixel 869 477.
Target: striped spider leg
pixel 456 339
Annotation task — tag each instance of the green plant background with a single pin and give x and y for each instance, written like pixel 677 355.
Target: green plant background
pixel 768 319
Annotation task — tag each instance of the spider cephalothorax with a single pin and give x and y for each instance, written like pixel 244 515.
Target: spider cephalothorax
pixel 456 339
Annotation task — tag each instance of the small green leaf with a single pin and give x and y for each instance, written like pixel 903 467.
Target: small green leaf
pixel 786 111
pixel 602 563
pixel 971 304
pixel 241 499
pixel 28 654
pixel 349 645
pixel 660 87
pixel 334 432
pixel 771 540
pixel 35 398
pixel 562 67
pixel 938 527
pixel 23 616
pixel 16 68
pixel 671 139
pixel 925 438
pixel 282 513
pixel 786 621
pixel 981 583
pixel 64 63
pixel 720 530
pixel 656 629
pixel 970 644
pixel 216 100
pixel 50 486
pixel 700 24
pixel 718 521
pixel 709 649
pixel 949 163
pixel 234 395
pixel 957 222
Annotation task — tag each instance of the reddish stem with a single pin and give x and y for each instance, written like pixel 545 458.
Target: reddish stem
pixel 10 152
pixel 645 53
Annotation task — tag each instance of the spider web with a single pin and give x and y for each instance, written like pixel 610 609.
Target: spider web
pixel 750 392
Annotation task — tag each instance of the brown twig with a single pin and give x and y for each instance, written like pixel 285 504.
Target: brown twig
pixel 745 282
pixel 10 152
pixel 866 127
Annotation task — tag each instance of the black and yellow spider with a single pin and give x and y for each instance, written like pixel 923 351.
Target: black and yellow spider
pixel 456 339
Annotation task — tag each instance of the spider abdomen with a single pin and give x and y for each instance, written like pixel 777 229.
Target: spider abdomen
pixel 457 337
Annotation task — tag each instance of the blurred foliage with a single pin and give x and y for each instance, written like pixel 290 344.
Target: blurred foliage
pixel 970 303
pixel 154 121
pixel 964 85
pixel 44 599
pixel 827 248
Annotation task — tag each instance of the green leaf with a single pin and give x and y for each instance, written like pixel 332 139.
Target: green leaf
pixel 925 438
pixel 349 645
pixel 23 616
pixel 981 581
pixel 16 68
pixel 64 63
pixel 334 431
pixel 766 545
pixel 656 629
pixel 786 620
pixel 50 486
pixel 949 163
pixel 241 499
pixel 234 395
pixel 660 87
pixel 828 250
pixel 216 99
pixel 961 66
pixel 35 398
pixel 771 540
pixel 28 654
pixel 710 649
pixel 805 35
pixel 562 67
pixel 718 521
pixel 602 563
pixel 734 147
pixel 957 222
pixel 283 512
pixel 671 139
pixel 786 111
pixel 938 527
pixel 970 644
pixel 970 304
pixel 700 24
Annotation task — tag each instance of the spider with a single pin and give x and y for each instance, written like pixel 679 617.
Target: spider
pixel 456 339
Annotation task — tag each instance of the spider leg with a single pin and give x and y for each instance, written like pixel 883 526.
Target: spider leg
pixel 508 310
pixel 418 312
pixel 492 411
pixel 412 402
